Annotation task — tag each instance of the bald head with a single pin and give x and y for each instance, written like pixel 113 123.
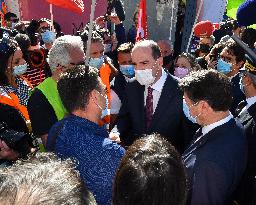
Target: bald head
pixel 149 44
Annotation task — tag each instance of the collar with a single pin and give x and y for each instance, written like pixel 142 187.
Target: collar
pixel 210 127
pixel 234 76
pixel 129 80
pixel 250 101
pixel 89 125
pixel 158 85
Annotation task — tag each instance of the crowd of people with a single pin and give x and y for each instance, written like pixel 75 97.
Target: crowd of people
pixel 140 123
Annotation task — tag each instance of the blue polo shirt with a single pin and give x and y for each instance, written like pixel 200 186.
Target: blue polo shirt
pixel 97 157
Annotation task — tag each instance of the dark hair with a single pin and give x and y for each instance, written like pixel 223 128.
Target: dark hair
pixel 96 37
pixel 235 50
pixel 7 48
pixel 43 179
pixel 9 15
pixel 156 52
pixel 125 48
pixel 152 173
pixel 208 85
pixel 23 41
pixel 191 59
pixel 75 86
pixel 216 50
pixel 44 20
pixel 249 37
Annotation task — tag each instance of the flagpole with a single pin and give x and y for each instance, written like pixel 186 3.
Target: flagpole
pixel 51 17
pixel 171 27
pixel 90 32
pixel 197 16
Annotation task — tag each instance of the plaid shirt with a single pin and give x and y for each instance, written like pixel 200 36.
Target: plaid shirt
pixel 22 91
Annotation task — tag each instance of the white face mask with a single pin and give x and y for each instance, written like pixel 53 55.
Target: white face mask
pixel 144 77
pixel 20 69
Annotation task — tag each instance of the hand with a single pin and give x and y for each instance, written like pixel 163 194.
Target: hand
pixel 114 137
pixel 6 152
pixel 213 64
pixel 114 19
pixel 114 42
pixel 100 21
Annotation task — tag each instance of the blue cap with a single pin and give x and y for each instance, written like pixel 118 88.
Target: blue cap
pixel 246 13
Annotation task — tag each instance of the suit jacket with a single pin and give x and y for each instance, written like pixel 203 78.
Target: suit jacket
pixel 168 119
pixel 238 95
pixel 215 163
pixel 247 188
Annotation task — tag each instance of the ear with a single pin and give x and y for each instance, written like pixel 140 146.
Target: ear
pixel 240 64
pixel 160 61
pixel 205 106
pixel 247 80
pixel 94 95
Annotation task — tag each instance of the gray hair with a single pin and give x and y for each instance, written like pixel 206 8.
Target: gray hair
pixel 43 179
pixel 156 53
pixel 167 42
pixel 62 49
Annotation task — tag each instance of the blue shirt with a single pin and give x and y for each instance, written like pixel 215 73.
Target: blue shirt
pixel 97 157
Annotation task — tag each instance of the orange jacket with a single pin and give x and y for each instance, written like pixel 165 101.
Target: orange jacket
pixel 105 72
pixel 13 100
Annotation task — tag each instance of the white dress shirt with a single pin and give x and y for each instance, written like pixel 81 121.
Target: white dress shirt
pixel 157 90
pixel 206 129
pixel 115 103
pixel 210 127
pixel 250 101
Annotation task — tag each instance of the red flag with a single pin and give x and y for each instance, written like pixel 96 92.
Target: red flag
pixel 142 27
pixel 216 26
pixel 73 5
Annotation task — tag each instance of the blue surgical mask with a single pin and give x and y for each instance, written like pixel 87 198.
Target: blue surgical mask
pixel 223 66
pixel 106 111
pixel 96 62
pixel 241 86
pixel 20 69
pixel 127 70
pixel 187 112
pixel 48 36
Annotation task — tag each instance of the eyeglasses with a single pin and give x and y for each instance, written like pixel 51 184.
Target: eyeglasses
pixel 43 29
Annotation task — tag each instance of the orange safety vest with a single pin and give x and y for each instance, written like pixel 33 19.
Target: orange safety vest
pixel 105 72
pixel 13 100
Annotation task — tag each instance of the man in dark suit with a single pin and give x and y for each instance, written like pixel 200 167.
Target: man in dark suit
pixel 216 158
pixel 247 117
pixel 152 103
pixel 230 61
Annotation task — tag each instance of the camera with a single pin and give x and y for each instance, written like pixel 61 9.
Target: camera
pixel 18 141
pixel 8 32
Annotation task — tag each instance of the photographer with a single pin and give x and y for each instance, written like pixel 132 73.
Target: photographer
pixel 13 145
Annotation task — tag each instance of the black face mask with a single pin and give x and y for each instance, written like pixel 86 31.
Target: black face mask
pixel 204 48
pixel 167 59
